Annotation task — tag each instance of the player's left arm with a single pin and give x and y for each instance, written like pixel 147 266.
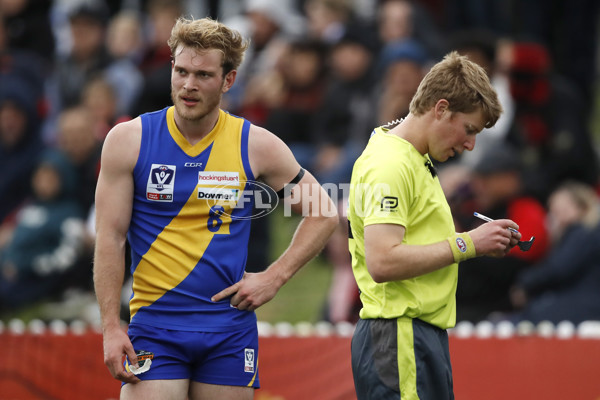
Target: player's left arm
pixel 273 163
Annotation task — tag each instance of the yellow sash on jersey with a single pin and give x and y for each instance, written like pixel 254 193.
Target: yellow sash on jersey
pixel 178 248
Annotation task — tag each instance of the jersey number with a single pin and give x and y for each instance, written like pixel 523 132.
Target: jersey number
pixel 214 221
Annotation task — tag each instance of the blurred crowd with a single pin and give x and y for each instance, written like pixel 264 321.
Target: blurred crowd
pixel 321 74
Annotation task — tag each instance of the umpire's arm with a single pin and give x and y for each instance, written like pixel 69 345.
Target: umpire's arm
pixel 388 259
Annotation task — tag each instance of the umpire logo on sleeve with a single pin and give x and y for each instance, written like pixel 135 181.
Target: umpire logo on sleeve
pixel 389 203
pixel 161 182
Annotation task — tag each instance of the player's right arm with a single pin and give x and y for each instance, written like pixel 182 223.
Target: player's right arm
pixel 114 200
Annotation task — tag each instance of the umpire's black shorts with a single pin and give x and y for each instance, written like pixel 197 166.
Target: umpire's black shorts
pixel 403 358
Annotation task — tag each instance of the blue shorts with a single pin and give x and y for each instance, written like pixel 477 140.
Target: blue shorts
pixel 220 358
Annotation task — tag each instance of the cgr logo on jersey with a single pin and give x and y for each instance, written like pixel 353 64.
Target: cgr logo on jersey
pixel 160 183
pixel 249 360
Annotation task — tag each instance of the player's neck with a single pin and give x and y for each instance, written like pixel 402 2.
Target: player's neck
pixel 195 130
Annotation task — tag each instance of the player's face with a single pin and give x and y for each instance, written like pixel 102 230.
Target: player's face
pixel 197 82
pixel 456 134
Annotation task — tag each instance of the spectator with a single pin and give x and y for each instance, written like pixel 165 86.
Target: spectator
pixel 21 63
pixel 20 144
pixel 156 59
pixel 100 99
pixel 76 138
pixel 474 14
pixel 293 107
pixel 569 30
pixel 498 192
pixel 271 26
pixel 395 19
pixel 124 43
pixel 88 56
pixel 481 46
pixel 402 67
pixel 28 27
pixel 566 284
pixel 328 19
pixel 348 114
pixel 550 127
pixel 86 60
pixel 400 20
pixel 46 244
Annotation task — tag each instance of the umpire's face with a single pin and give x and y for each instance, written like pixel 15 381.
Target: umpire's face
pixel 454 132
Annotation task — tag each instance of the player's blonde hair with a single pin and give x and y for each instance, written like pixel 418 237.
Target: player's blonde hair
pixel 205 34
pixel 464 84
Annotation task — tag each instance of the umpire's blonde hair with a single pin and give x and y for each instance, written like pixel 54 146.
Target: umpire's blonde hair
pixel 464 84
pixel 204 34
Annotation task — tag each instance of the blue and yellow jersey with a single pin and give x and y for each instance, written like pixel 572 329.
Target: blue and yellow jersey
pixel 190 224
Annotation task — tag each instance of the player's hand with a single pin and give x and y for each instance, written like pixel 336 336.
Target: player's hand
pixel 254 290
pixel 117 345
pixel 494 238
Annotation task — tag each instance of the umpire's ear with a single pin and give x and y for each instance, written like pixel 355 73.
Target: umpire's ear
pixel 441 107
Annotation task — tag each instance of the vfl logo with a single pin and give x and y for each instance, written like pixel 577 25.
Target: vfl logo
pixel 161 182
pixel 389 203
pixel 249 360
pixel 461 244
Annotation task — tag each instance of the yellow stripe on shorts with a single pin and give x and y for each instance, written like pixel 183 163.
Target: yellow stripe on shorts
pixel 407 366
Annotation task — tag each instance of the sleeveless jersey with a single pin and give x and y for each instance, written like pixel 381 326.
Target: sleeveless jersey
pixel 190 224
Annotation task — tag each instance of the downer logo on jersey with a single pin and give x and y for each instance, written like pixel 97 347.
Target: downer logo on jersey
pixel 161 182
pixel 261 196
pixel 218 194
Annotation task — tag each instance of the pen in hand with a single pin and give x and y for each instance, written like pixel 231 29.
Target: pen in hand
pixel 488 219
pixel 523 245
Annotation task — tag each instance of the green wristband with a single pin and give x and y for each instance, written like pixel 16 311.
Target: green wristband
pixel 462 246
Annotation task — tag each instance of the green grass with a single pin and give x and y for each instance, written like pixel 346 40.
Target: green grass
pixel 33 311
pixel 303 297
